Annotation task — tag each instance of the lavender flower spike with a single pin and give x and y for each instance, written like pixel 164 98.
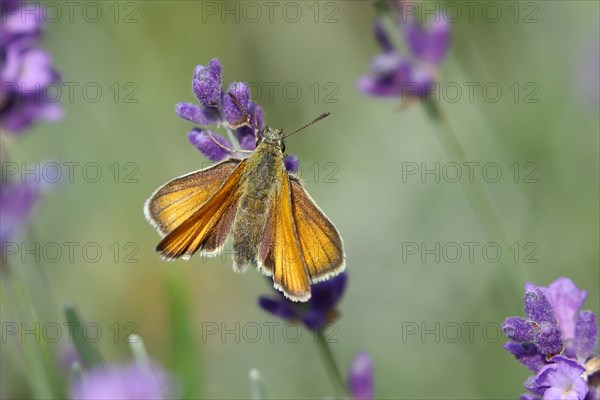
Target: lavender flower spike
pixel 124 382
pixel 360 377
pixel 321 308
pixel 218 108
pixel 396 74
pixel 560 352
pixel 26 71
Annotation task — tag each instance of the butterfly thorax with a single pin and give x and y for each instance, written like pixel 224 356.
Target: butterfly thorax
pixel 255 202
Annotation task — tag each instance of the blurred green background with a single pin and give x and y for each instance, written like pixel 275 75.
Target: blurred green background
pixel 369 141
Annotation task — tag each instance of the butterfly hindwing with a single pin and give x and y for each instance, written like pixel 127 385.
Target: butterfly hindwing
pixel 280 254
pixel 319 240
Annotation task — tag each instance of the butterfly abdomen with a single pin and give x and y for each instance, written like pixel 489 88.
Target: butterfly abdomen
pixel 252 213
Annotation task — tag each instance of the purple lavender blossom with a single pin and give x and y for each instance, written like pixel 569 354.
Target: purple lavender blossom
pixel 317 312
pixel 360 378
pixel 218 108
pixel 26 71
pixel 556 341
pixel 124 382
pixel 562 379
pixel 393 74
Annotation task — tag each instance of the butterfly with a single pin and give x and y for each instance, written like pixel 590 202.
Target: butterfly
pixel 276 226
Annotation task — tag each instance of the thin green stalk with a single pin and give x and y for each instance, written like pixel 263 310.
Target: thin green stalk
pixel 330 364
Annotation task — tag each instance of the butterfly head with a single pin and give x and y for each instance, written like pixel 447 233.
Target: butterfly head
pixel 273 137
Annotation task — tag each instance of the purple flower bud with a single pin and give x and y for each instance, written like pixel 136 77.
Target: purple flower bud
pixel 314 320
pixel 360 377
pixel 428 43
pixel 199 115
pixel 247 142
pixel 566 300
pixel 206 83
pixel 292 164
pixel 382 37
pixel 389 76
pixel 527 354
pixel 318 311
pixel 549 339
pixel 20 21
pixel 278 308
pixel 205 142
pixel 232 113
pixel 586 335
pixel 25 73
pixel 518 329
pixel 537 308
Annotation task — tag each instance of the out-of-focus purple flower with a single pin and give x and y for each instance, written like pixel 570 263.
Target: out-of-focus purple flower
pixel 428 43
pixel 26 71
pixel 317 312
pixel 124 382
pixel 411 75
pixel 360 378
pixel 218 108
pixel 556 341
pixel 18 21
pixel 562 379
pixel 17 201
pixel 291 163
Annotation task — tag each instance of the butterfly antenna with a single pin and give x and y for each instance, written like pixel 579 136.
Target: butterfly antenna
pixel 320 117
pixel 239 105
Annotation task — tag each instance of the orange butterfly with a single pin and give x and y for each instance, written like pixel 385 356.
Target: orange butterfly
pixel 276 225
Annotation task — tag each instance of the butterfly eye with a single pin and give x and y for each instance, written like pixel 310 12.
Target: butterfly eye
pixel 282 147
pixel 258 141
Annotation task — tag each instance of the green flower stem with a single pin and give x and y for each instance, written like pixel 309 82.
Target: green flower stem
pixel 330 364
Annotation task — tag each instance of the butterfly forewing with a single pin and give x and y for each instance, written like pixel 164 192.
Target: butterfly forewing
pixel 177 200
pixel 208 226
